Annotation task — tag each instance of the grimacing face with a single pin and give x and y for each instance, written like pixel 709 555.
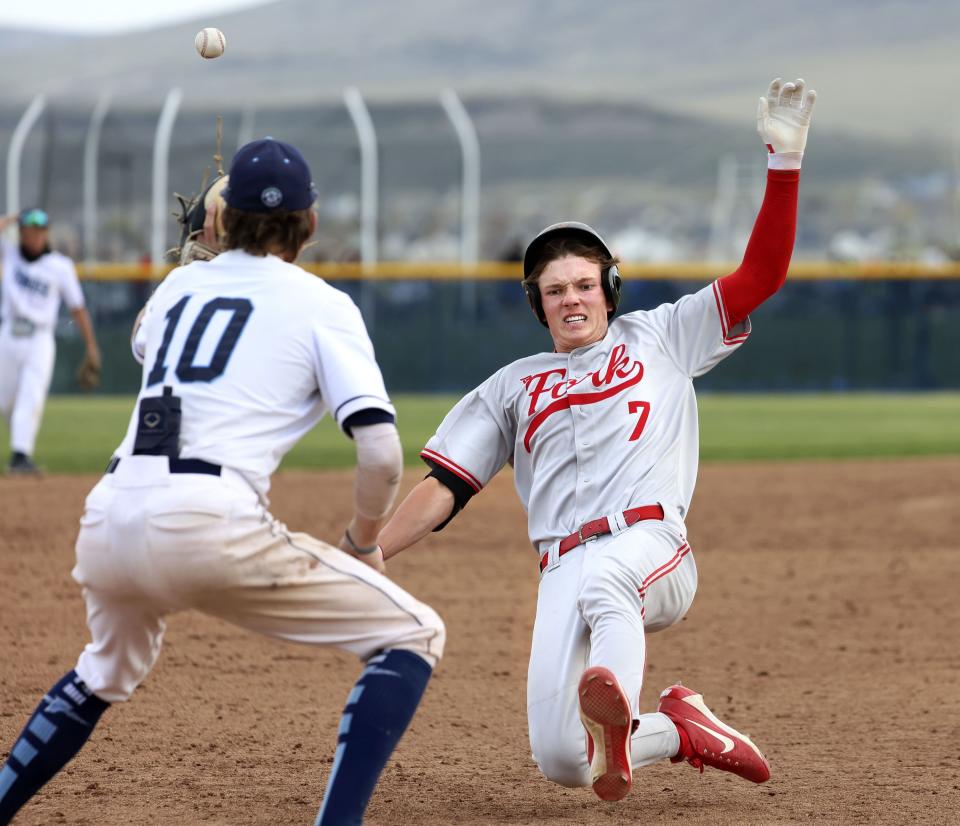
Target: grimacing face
pixel 34 239
pixel 573 302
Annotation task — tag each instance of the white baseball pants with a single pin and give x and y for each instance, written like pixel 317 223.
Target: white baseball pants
pixel 152 543
pixel 26 369
pixel 593 609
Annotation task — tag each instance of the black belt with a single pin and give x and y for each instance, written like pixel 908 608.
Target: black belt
pixel 178 465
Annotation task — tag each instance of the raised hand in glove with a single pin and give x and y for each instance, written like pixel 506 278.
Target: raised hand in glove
pixel 88 374
pixel 783 118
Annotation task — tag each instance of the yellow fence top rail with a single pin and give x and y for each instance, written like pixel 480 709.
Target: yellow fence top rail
pixel 499 271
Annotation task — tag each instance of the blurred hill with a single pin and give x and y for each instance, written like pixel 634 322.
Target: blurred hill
pixel 883 67
pixel 21 42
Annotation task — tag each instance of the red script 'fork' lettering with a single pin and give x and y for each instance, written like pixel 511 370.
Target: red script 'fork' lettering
pixel 619 366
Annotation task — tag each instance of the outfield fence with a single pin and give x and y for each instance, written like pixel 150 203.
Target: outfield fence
pixel 508 270
pixel 440 327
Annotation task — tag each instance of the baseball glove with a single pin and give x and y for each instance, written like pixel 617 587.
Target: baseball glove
pixel 201 223
pixel 201 217
pixel 88 374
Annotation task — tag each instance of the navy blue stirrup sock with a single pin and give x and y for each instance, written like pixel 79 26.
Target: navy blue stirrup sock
pixel 377 713
pixel 55 733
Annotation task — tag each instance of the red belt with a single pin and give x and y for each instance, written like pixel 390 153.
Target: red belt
pixel 598 527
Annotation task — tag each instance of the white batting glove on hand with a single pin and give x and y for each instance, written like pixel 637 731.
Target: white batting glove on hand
pixel 783 118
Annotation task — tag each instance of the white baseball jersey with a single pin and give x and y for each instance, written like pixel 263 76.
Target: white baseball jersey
pixel 32 290
pixel 247 393
pixel 606 427
pixel 257 350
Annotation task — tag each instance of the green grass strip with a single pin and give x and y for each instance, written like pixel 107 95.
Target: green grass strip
pixel 79 433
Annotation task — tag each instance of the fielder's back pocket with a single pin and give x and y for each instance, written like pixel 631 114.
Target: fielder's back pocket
pixel 188 521
pixel 185 554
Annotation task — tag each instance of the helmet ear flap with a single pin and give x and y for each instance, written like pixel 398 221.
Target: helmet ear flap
pixel 536 304
pixel 612 283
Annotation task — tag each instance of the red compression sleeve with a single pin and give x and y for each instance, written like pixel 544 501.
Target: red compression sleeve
pixel 765 262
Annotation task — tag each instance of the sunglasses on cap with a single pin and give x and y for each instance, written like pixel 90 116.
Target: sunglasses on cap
pixel 34 218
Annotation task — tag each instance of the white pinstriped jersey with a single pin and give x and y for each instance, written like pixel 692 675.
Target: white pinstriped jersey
pixel 258 350
pixel 33 289
pixel 606 427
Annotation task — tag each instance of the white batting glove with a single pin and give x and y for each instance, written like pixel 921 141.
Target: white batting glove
pixel 783 118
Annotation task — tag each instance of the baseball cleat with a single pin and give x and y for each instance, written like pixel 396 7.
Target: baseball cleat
pixel 22 465
pixel 605 714
pixel 706 740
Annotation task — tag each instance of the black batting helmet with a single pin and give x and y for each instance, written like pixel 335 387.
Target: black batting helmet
pixel 610 278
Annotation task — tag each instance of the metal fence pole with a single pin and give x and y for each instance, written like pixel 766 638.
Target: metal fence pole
pixel 469 190
pixel 15 153
pixel 721 215
pixel 91 154
pixel 245 132
pixel 161 162
pixel 369 195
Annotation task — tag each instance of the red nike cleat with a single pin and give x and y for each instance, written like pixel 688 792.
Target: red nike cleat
pixel 606 715
pixel 706 740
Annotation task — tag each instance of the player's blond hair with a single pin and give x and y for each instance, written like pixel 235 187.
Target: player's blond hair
pixel 568 247
pixel 260 233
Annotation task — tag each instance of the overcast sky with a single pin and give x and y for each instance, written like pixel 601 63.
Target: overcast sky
pixel 112 15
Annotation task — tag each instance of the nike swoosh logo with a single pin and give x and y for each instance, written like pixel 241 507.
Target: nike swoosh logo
pixel 60 706
pixel 727 742
pixel 382 672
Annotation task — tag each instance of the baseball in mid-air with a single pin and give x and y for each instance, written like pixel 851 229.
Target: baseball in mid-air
pixel 210 43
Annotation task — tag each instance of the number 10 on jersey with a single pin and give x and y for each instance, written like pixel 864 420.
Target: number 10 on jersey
pixel 187 371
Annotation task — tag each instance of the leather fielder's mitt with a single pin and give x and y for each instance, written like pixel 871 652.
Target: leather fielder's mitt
pixel 88 374
pixel 201 223
pixel 201 217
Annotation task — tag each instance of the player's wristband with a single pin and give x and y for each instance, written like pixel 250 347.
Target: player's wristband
pixel 355 547
pixel 784 160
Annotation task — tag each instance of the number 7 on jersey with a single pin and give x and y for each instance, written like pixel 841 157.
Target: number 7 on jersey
pixel 644 409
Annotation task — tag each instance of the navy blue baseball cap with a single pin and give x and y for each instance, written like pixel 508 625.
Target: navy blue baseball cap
pixel 268 175
pixel 34 217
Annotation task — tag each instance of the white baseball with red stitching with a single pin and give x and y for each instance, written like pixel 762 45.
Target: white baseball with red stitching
pixel 210 43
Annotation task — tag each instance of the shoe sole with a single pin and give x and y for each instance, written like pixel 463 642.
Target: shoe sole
pixel 606 716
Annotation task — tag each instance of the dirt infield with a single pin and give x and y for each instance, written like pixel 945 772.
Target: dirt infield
pixel 826 625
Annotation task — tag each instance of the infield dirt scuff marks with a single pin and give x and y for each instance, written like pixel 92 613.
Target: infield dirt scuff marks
pixel 824 626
